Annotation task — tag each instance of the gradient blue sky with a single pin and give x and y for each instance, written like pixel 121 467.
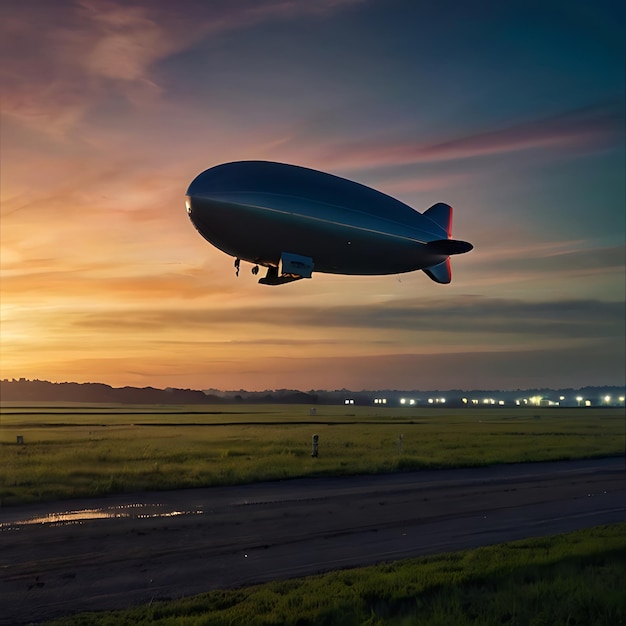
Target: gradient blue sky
pixel 513 113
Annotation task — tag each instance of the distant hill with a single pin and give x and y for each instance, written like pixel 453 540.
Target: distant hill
pixel 43 391
pixel 23 390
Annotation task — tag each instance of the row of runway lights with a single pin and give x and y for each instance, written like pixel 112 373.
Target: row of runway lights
pixel 533 401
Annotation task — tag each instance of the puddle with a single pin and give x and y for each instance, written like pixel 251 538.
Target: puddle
pixel 80 516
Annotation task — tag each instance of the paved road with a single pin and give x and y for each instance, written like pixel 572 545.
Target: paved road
pixel 113 552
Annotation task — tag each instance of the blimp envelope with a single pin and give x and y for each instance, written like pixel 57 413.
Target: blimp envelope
pixel 294 221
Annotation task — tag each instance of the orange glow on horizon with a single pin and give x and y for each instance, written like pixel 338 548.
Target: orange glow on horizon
pixel 110 111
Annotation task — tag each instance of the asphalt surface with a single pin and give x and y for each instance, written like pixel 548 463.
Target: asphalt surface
pixel 104 553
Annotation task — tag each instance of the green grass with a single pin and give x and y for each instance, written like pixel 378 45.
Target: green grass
pixel 572 579
pixel 100 449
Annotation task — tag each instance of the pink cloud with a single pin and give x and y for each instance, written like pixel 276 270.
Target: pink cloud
pixel 59 60
pixel 424 184
pixel 578 131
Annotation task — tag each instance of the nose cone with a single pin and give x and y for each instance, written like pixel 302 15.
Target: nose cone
pixel 189 207
pixel 214 220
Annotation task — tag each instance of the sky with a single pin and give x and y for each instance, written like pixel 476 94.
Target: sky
pixel 512 112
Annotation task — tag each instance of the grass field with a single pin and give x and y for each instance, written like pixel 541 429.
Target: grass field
pixel 572 579
pixel 72 451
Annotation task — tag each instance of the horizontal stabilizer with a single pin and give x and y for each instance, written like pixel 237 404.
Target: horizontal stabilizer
pixel 441 273
pixel 449 246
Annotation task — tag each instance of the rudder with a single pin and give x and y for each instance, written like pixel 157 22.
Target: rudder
pixel 441 273
pixel 441 214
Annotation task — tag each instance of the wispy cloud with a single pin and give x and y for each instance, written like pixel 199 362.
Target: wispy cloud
pixel 63 59
pixel 575 132
pixel 575 319
pixel 126 41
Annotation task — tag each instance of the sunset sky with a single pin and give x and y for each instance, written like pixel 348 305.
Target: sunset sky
pixel 512 112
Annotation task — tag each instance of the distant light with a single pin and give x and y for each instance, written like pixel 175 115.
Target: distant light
pixel 621 398
pixel 517 402
pixel 402 400
pixel 607 399
pixel 561 397
pixel 411 401
pixel 464 400
pixel 587 402
pixel 500 402
pixel 442 400
pixel 430 400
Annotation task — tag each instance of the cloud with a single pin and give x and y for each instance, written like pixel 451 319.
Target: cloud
pixel 573 132
pixel 565 262
pixel 567 319
pixel 86 52
pixel 126 41
pixel 63 59
pixel 422 184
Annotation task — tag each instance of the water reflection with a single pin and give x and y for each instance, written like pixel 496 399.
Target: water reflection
pixel 80 516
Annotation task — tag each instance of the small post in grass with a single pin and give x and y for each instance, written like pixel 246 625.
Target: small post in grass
pixel 316 439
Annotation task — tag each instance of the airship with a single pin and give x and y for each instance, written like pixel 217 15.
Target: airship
pixel 294 220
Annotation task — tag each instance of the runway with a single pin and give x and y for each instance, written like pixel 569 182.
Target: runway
pixel 113 552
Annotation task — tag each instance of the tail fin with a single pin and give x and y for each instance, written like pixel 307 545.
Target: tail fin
pixel 441 214
pixel 441 273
